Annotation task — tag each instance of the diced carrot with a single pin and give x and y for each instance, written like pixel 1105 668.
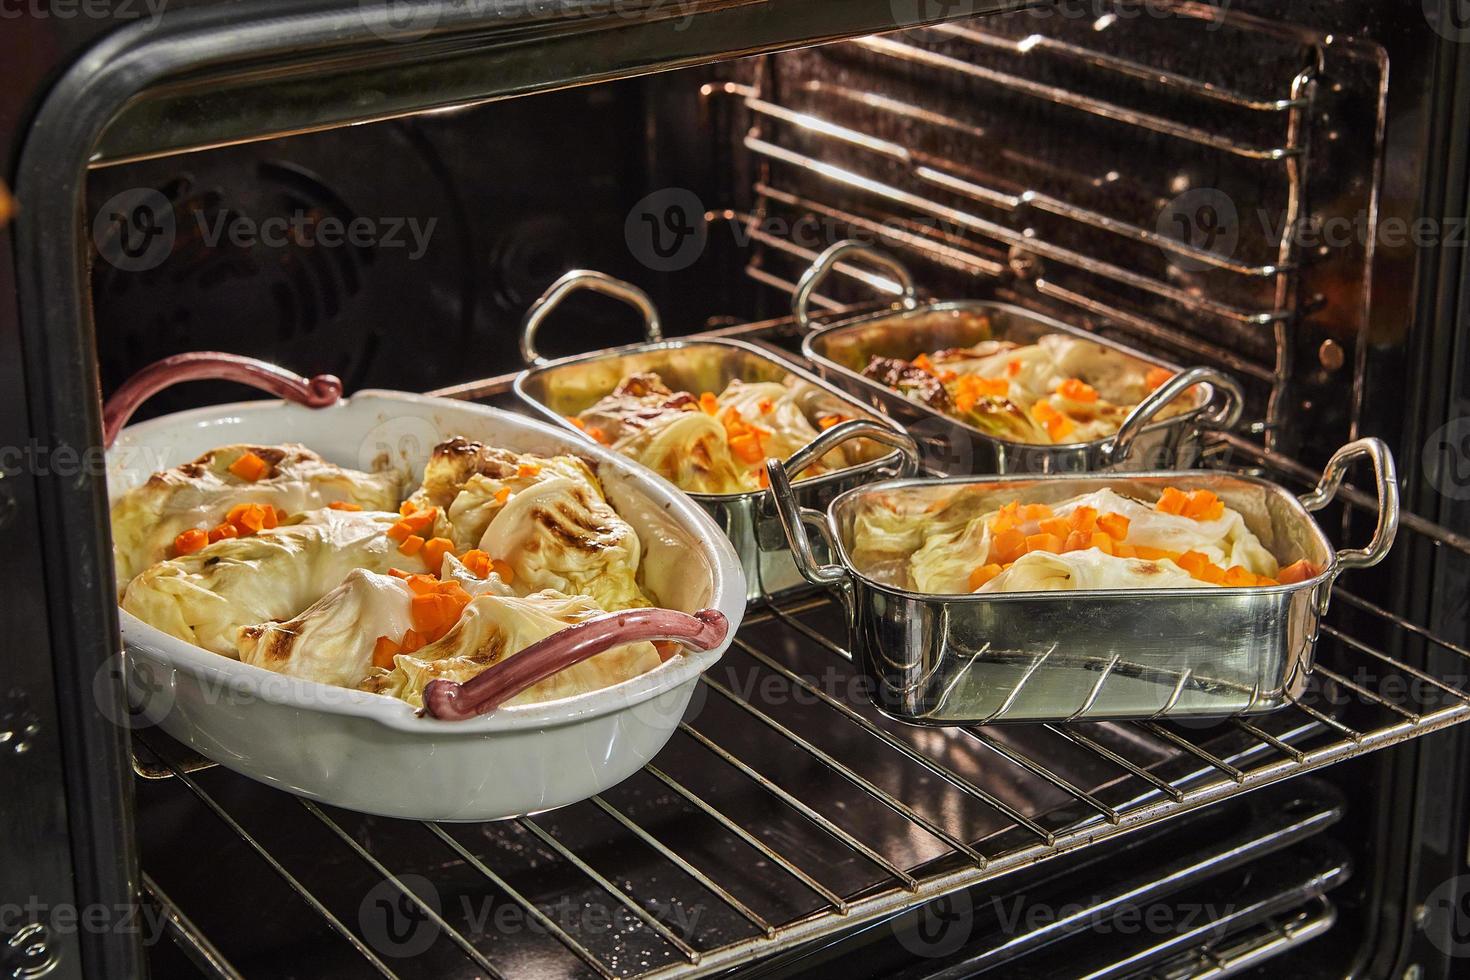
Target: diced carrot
pixel 399 532
pixel 576 421
pixel 827 421
pixel 476 562
pixel 434 551
pixel 1004 522
pixel 1114 525
pixel 763 479
pixel 1202 505
pixel 190 541
pixel 344 505
pixel 709 403
pixel 412 641
pixel 1007 518
pixel 1036 512
pixel 947 376
pixel 1013 367
pixel 434 614
pixel 1237 576
pixel 983 574
pixel 528 469
pixel 1102 541
pixel 1043 542
pixel 1172 501
pixel 666 649
pixel 222 531
pixel 249 518
pixel 421 584
pixel 1059 428
pixel 503 569
pixel 1157 377
pixel 250 468
pixel 764 405
pixel 1122 550
pixel 1077 390
pixel 746 447
pixel 1083 519
pixel 420 520
pixel 384 651
pixel 1298 571
pixel 1007 546
pixel 1056 525
pixel 923 363
pixel 502 495
pixel 1264 580
pixel 411 545
pixel 1078 541
pixel 1192 562
pixel 269 518
pixel 601 436
pixel 1153 554
pixel 406 508
pixel 1199 566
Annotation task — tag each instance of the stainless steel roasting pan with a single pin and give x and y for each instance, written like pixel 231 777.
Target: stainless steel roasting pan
pixel 1143 441
pixel 558 389
pixel 1090 655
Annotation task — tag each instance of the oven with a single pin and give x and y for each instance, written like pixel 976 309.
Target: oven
pixel 379 190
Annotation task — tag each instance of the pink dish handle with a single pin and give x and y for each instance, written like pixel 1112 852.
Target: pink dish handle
pixel 453 701
pixel 316 392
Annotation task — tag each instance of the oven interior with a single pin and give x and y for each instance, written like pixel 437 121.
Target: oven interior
pixel 1188 179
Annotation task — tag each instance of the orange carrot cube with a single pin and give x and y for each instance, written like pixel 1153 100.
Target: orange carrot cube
pixel 250 468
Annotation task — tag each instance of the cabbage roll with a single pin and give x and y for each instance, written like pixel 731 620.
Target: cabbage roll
pixel 206 597
pixel 494 627
pixel 146 519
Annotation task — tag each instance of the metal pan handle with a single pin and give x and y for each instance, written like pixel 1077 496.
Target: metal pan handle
pixel 793 520
pixel 1223 414
pixel 318 391
pixel 597 282
pixel 488 690
pixel 1386 478
pixel 829 440
pixel 823 265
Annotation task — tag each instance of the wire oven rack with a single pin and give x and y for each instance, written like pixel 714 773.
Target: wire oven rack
pixel 787 810
pixel 962 145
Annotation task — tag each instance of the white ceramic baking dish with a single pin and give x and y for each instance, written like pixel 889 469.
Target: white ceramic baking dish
pixel 373 753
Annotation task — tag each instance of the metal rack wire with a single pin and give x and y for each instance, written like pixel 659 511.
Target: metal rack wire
pixel 916 173
pixel 944 810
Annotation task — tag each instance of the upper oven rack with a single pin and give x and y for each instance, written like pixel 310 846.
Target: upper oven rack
pixel 963 800
pixel 870 136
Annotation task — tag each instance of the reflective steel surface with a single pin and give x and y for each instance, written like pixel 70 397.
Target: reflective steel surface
pixel 1120 654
